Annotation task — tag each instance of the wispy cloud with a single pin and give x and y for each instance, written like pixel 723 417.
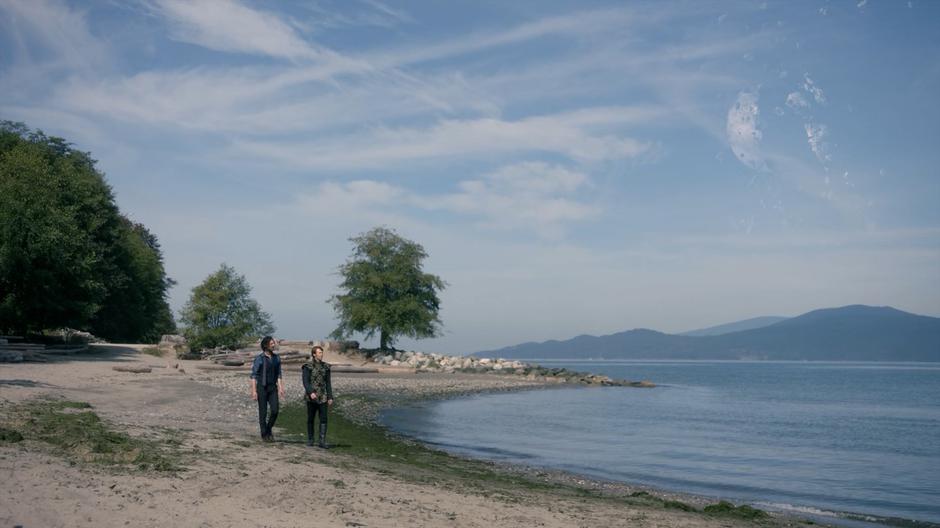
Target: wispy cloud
pixel 744 136
pixel 816 137
pixel 230 26
pixel 371 14
pixel 380 146
pixel 389 12
pixel 796 101
pixel 532 196
pixel 584 23
pixel 812 88
pixel 50 32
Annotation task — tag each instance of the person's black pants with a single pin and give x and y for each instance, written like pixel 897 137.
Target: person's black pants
pixel 267 397
pixel 312 409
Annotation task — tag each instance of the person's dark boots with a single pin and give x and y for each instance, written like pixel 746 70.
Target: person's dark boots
pixel 323 444
pixel 309 434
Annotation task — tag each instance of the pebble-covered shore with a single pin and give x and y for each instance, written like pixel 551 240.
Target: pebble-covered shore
pixel 361 396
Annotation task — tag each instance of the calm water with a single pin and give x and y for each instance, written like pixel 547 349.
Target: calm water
pixel 835 437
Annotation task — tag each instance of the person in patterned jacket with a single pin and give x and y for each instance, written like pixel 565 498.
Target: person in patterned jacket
pixel 318 393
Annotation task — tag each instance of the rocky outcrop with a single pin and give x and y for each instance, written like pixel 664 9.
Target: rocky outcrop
pixel 172 339
pixel 423 362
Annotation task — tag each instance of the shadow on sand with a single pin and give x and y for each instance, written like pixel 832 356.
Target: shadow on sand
pixel 99 352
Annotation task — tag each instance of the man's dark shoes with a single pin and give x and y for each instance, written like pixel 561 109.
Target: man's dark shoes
pixel 309 441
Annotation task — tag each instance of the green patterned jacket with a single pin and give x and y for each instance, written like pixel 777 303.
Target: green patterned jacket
pixel 316 378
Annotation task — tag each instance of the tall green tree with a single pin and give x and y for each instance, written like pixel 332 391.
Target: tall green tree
pixel 221 313
pixel 65 249
pixel 138 281
pixel 385 290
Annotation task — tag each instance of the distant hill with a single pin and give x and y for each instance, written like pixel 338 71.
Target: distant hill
pixel 849 333
pixel 747 324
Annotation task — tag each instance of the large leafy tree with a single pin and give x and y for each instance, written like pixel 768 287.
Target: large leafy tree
pixel 221 313
pixel 385 290
pixel 137 280
pixel 66 252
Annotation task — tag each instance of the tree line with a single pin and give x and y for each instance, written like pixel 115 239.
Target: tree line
pixel 68 257
pixel 384 292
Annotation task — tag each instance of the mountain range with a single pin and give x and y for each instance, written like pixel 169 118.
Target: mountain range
pixel 849 333
pixel 747 324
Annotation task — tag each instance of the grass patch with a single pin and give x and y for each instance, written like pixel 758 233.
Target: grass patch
pixel 153 351
pixel 726 509
pixel 644 497
pixel 371 445
pixel 678 505
pixel 9 436
pixel 74 431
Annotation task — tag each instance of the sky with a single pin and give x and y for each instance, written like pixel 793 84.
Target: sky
pixel 570 167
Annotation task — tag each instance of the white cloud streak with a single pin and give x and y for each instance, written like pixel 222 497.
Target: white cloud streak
pixel 582 23
pixel 568 134
pixel 530 196
pixel 50 32
pixel 796 101
pixel 230 26
pixel 816 137
pixel 742 130
pixel 810 86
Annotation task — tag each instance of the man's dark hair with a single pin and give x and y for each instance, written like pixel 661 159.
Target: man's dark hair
pixel 266 343
pixel 314 350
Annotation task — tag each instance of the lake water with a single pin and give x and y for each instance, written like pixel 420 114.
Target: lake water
pixel 818 438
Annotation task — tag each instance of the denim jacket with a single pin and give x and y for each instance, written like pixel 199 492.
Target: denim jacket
pixel 257 370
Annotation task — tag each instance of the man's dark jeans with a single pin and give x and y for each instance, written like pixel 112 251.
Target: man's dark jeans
pixel 267 396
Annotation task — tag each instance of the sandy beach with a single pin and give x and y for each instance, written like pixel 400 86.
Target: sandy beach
pixel 208 422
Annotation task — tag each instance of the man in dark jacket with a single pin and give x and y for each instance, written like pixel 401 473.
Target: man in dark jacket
pixel 266 385
pixel 318 393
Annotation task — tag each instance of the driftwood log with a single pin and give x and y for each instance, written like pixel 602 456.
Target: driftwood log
pixel 66 350
pixel 239 357
pixel 22 352
pixel 136 369
pixel 231 362
pixel 18 352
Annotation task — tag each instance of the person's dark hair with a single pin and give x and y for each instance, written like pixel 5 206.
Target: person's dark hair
pixel 266 343
pixel 313 351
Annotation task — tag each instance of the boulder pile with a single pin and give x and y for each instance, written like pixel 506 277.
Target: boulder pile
pixel 422 362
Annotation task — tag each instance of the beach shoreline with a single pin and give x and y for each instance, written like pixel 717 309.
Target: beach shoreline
pixel 214 422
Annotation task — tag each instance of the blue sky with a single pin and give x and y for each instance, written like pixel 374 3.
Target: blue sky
pixel 570 167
